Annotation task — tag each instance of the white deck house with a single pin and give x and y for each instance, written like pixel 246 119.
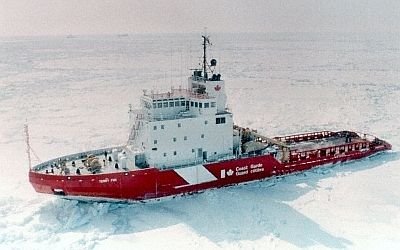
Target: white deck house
pixel 183 126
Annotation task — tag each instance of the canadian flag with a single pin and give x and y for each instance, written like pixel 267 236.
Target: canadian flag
pixel 225 173
pixel 217 88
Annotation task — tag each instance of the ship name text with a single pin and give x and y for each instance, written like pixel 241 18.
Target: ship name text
pixel 107 180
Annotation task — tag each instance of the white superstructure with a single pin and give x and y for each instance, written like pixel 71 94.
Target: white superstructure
pixel 185 125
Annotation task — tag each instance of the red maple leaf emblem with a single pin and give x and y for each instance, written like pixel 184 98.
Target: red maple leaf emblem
pixel 217 88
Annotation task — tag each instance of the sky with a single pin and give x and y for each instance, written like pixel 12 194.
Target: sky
pixel 76 17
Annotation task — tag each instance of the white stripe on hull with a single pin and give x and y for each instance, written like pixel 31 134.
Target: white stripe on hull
pixel 195 174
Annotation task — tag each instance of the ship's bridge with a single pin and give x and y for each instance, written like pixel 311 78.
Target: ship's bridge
pixel 177 104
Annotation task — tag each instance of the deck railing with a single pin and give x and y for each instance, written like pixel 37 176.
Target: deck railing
pixel 75 156
pixel 177 93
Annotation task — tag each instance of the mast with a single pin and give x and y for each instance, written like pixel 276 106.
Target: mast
pixel 205 42
pixel 29 149
pixel 28 146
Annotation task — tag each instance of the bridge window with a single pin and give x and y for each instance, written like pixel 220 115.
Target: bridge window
pixel 179 125
pixel 165 104
pixel 206 105
pixel 176 103
pixel 165 154
pixel 202 136
pixel 155 141
pixel 174 152
pixel 191 104
pixel 200 105
pixel 159 105
pixel 182 103
pixel 154 127
pixel 196 104
pixel 162 126
pixel 213 104
pixel 185 138
pixel 154 105
pixel 171 104
pixel 220 120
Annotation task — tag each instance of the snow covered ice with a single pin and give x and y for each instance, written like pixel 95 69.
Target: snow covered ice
pixel 75 92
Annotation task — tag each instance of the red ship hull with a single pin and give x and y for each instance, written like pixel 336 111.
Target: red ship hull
pixel 153 183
